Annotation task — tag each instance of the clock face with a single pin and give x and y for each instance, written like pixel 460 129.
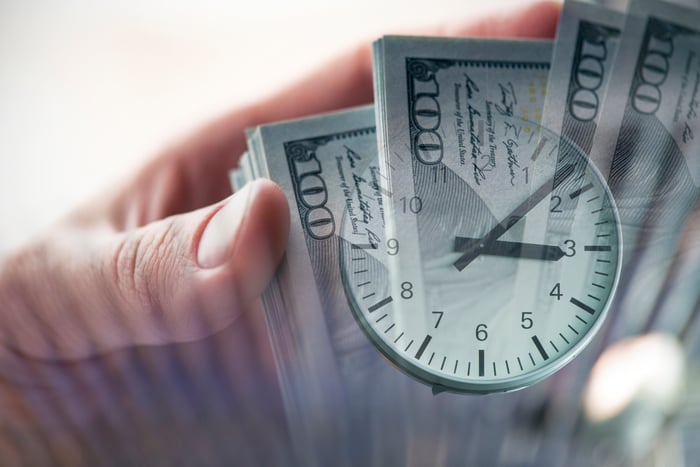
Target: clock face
pixel 485 283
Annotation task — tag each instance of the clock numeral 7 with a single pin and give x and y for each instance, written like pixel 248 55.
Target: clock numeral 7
pixel 439 317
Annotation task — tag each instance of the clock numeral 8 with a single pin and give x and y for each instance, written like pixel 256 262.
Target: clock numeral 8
pixel 406 290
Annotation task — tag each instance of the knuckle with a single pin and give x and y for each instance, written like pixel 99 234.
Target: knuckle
pixel 144 263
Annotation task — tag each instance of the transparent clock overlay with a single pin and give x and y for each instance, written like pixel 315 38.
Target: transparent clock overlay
pixel 514 314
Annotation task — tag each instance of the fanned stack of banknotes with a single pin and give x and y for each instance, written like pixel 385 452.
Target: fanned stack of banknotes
pixel 621 81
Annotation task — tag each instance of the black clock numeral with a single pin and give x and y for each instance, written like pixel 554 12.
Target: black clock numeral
pixel 439 173
pixel 527 174
pixel 556 202
pixel 525 320
pixel 570 248
pixel 406 290
pixel 439 317
pixel 413 205
pixel 556 291
pixel 481 332
pixel 393 247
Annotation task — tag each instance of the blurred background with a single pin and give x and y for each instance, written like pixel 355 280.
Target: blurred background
pixel 89 89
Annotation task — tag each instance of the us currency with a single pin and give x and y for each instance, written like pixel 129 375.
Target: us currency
pixel 339 392
pixel 647 143
pixel 582 61
pixel 465 112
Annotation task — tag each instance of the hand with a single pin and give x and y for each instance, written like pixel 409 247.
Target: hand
pixel 473 250
pixel 167 257
pixel 510 249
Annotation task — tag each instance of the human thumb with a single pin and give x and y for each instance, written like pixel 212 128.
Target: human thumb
pixel 188 276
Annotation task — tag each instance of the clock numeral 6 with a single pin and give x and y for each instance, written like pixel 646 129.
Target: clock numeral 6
pixel 482 332
pixel 525 320
pixel 406 290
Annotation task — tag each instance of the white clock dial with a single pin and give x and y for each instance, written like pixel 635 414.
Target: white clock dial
pixel 490 287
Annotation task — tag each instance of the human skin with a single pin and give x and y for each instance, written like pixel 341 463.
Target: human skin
pixel 169 256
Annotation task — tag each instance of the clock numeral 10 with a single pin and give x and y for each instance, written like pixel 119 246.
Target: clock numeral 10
pixel 413 205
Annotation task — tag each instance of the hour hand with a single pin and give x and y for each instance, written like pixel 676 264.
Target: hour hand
pixel 509 249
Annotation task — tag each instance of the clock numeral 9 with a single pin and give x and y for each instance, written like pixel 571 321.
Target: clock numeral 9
pixel 481 332
pixel 413 205
pixel 392 246
pixel 525 320
pixel 406 290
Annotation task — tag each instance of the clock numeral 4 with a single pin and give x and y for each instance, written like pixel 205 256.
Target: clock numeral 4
pixel 556 291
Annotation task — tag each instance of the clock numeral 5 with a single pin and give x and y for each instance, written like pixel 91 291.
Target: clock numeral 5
pixel 525 320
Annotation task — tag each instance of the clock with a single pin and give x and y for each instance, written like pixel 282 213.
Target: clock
pixel 489 283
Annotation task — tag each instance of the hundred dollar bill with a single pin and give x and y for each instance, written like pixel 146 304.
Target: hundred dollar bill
pixel 648 143
pixel 459 120
pixel 582 61
pixel 346 405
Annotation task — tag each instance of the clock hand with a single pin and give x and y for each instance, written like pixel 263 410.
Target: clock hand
pixel 513 249
pixel 518 213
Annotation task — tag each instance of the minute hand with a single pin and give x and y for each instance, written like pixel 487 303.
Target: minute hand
pixel 478 247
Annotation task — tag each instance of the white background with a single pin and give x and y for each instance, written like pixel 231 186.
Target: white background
pixel 89 89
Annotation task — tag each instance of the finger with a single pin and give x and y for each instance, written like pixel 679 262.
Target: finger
pixel 193 174
pixel 177 279
pixel 212 262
